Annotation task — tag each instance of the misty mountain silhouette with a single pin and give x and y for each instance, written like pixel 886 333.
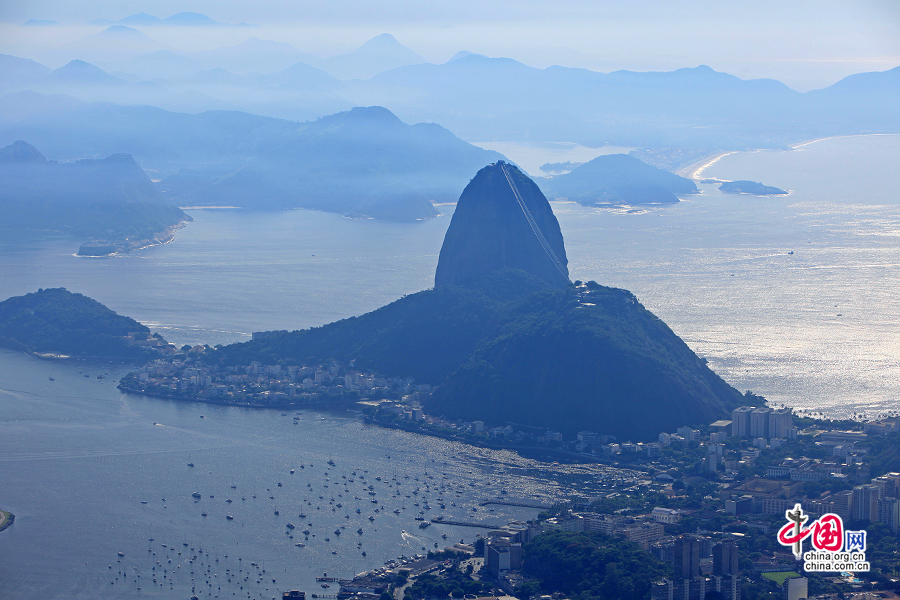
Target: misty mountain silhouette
pixel 160 63
pixel 16 72
pixel 122 32
pixel 78 72
pixel 142 19
pixel 21 152
pixel 40 23
pixel 118 41
pixel 480 98
pixel 618 179
pixel 255 55
pixel 576 104
pixel 361 162
pixel 139 19
pixel 111 198
pixel 379 54
pixel 192 19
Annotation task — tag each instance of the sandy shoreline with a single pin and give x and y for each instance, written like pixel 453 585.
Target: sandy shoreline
pixel 695 170
pixel 164 237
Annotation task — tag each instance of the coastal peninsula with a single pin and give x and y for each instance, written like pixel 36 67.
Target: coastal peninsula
pixel 56 323
pixel 110 203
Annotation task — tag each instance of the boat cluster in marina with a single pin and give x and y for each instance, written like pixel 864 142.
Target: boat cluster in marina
pixel 318 512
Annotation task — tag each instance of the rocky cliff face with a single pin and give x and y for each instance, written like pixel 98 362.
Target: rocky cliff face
pixel 502 221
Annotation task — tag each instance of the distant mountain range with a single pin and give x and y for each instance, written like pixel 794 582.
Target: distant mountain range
pixel 368 162
pixel 258 76
pixel 363 162
pixel 379 54
pixel 497 98
pixel 252 56
pixel 182 19
pixel 477 97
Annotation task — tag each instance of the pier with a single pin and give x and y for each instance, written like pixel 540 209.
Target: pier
pixel 464 523
pixel 522 504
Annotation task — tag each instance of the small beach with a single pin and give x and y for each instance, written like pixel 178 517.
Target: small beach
pixel 695 171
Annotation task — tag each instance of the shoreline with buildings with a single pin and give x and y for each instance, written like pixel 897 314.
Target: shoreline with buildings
pixel 397 403
pixel 729 481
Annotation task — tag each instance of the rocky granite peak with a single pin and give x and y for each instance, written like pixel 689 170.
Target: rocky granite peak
pixel 502 221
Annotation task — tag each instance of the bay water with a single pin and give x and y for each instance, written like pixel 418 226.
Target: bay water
pixel 793 297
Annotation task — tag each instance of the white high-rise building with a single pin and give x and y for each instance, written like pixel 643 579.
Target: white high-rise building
pixel 780 423
pixel 759 422
pixel 865 502
pixel 795 588
pixel 740 421
pixel 889 513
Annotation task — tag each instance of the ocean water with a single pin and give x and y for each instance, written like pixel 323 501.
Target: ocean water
pixel 793 297
pixel 90 472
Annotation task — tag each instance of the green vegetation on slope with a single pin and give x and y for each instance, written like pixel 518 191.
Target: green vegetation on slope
pixel 585 358
pixel 426 335
pixel 506 348
pixel 587 566
pixel 57 321
pixel 454 583
pixel 884 453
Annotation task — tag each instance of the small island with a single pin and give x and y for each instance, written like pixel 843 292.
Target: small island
pixel 617 180
pixel 6 519
pixel 751 187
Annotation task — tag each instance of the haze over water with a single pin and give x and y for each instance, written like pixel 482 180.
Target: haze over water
pixel 716 268
pixel 814 329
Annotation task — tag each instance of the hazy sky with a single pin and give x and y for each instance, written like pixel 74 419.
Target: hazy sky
pixel 805 43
